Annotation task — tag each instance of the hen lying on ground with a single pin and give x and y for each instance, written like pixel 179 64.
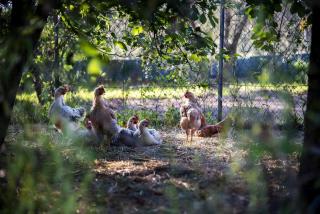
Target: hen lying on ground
pixel 86 135
pixel 212 130
pixel 132 123
pixel 126 135
pixel 64 117
pixel 102 117
pixel 144 134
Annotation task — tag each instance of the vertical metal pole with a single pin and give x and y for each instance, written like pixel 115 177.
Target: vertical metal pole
pixel 220 76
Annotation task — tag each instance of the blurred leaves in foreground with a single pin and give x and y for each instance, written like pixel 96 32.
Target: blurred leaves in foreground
pixel 46 173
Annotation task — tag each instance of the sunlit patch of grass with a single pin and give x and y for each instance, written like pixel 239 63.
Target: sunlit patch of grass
pixel 28 97
pixel 253 87
pixel 86 95
pixel 126 167
pixel 138 93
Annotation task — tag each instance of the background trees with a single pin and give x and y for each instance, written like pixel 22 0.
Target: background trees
pixel 165 29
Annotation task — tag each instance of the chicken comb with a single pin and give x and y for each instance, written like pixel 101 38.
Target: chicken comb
pixel 67 87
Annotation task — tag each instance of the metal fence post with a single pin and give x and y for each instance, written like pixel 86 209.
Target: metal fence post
pixel 220 76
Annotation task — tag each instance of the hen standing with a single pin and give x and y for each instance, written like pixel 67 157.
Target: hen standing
pixel 192 102
pixel 102 117
pixel 190 120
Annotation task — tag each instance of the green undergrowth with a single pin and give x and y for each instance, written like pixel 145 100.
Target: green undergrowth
pixel 46 173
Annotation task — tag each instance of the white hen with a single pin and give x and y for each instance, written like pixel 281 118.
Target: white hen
pixel 64 117
pixel 125 137
pixel 144 134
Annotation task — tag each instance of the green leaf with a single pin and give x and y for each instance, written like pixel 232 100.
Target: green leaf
pixel 84 9
pixel 203 18
pixel 88 49
pixel 120 45
pixel 195 58
pixel 136 30
pixel 226 57
pixel 94 67
pixel 211 19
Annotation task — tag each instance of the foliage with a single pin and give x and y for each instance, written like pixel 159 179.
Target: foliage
pixel 152 116
pixel 265 32
pixel 46 173
pixel 302 68
pixel 171 117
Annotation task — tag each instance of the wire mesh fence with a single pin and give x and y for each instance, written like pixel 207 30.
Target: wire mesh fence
pixel 279 105
pixel 264 85
pixel 245 60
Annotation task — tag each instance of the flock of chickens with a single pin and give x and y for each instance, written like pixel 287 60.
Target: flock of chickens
pixel 101 122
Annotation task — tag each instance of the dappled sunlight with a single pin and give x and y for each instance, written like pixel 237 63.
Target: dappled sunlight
pixel 127 167
pixel 96 98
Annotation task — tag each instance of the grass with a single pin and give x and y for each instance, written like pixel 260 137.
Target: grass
pixel 166 93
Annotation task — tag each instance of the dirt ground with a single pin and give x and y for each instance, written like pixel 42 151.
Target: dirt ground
pixel 203 176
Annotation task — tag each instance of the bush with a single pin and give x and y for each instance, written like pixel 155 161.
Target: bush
pixel 25 112
pixel 41 174
pixel 172 117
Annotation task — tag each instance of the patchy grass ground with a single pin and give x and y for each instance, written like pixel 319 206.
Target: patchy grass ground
pixel 214 174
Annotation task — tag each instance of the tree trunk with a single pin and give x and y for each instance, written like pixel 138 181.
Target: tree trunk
pixel 309 175
pixel 232 46
pixel 56 76
pixel 37 84
pixel 19 48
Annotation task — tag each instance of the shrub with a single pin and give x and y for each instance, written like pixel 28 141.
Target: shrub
pixel 42 173
pixel 172 117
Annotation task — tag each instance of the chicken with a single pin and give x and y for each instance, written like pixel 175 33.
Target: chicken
pixel 102 117
pixel 211 130
pixel 155 134
pixel 132 123
pixel 87 134
pixel 125 137
pixel 64 117
pixel 144 135
pixel 192 102
pixel 190 120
